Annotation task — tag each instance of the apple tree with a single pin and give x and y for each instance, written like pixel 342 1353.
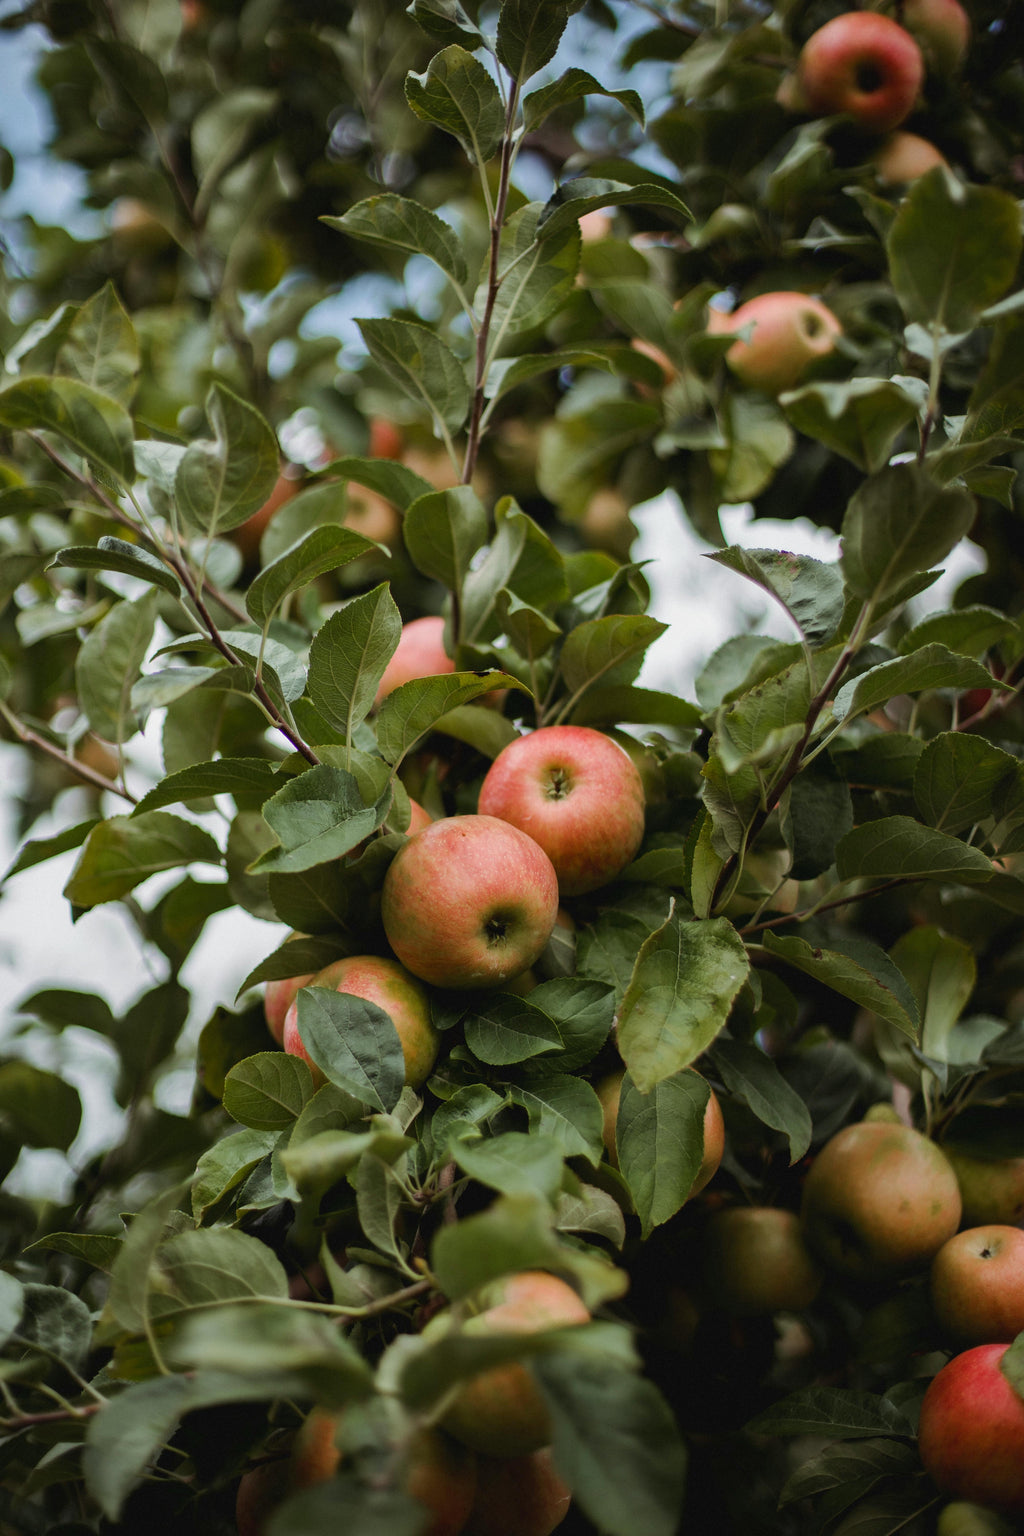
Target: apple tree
pixel 398 314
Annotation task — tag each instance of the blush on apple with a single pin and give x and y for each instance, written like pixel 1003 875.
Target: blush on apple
pixel 862 64
pixel 384 982
pixel 977 1285
pixel 971 1431
pixel 577 794
pixel 787 332
pixel 420 653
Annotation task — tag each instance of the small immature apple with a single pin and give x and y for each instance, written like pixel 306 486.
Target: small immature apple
pixel 942 28
pixel 977 1285
pixel 789 332
pixel 518 1496
pixel 756 1260
pixel 420 653
pixel 609 1091
pixel 903 157
pixel 576 793
pixel 862 64
pixel 391 987
pixel 879 1201
pixel 469 902
pixel 992 1188
pixel 971 1431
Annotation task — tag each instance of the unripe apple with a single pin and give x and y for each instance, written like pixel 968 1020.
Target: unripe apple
pixel 992 1188
pixel 943 30
pixel 606 523
pixel 391 987
pixel 576 793
pixel 501 1411
pixel 756 1260
pixel 789 332
pixel 971 1431
pixel 963 1518
pixel 977 1285
pixel 469 902
pixel 903 157
pixel 420 653
pixel 879 1201
pixel 518 1496
pixel 609 1091
pixel 862 64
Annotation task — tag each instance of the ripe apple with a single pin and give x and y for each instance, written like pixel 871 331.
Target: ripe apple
pixel 387 440
pixel 368 513
pixel 903 157
pixel 609 1091
pixel 942 28
pixel 501 1411
pixel 392 988
pixel 971 1431
pixel 790 331
pixel 577 794
pixel 977 1284
pixel 277 1000
pixel 469 902
pixel 260 1490
pixel 518 1496
pixel 992 1188
pixel 420 653
pixel 756 1260
pixel 246 537
pixel 879 1201
pixel 864 65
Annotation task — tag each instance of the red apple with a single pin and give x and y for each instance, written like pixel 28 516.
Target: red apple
pixel 790 331
pixel 577 794
pixel 863 64
pixel 420 653
pixel 756 1260
pixel 879 1201
pixel 977 1285
pixel 469 902
pixel 277 1000
pixel 971 1431
pixel 392 988
pixel 903 157
pixel 387 440
pixel 942 28
pixel 518 1496
pixel 247 535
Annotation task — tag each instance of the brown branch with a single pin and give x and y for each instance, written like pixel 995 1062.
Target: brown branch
pixel 32 738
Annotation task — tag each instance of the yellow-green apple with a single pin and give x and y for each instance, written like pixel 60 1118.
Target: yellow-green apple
pixel 971 1431
pixel 469 902
pixel 961 1517
pixel 879 1201
pixel 606 523
pixel 904 156
pixel 420 652
pixel 788 332
pixel 992 1188
pixel 402 996
pixel 756 1260
pixel 609 1091
pixel 518 1496
pixel 576 793
pixel 977 1285
pixel 501 1411
pixel 864 65
pixel 942 28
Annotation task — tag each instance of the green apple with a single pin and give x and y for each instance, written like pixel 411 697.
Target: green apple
pixel 943 30
pixel 755 1260
pixel 992 1188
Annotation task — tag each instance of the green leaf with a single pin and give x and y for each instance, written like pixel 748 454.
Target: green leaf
pixel 39 849
pixel 537 270
pixel 898 847
pixel 507 372
pixel 448 21
pixel 679 996
pixel 933 666
pixel 399 223
pixel 354 1043
pixel 900 523
pixel 222 481
pixel 522 563
pixel 193 1270
pixel 958 778
pixel 571 86
pixel 659 1138
pixel 346 1504
pixel 860 970
pixel 413 709
pixel 942 973
pixel 39 1107
pixel 323 549
pixel 101 348
pixel 753 1078
pixel 529 32
pixel 953 249
pixel 859 418
pixel 583 1011
pixel 609 649
pixel 443 531
pixel 840 1464
pixel 816 812
pixel 421 364
pixel 505 1029
pixel 226 1165
pixel 256 1343
pixel 837 1413
pixel 483 729
pixel 395 482
pixel 615 1442
pixel 456 92
pixel 514 1233
pixel 564 1109
pixel 316 817
pixel 111 554
pixel 514 1163
pixel 809 591
pixel 95 424
pixel 129 1433
pixel 583 194
pixel 108 664
pixel 348 657
pixel 969 631
pixel 125 850
pixel 268 1092
pixel 250 779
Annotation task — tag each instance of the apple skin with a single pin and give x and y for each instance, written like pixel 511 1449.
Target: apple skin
pixel 864 65
pixel 246 537
pixel 992 1188
pixel 943 30
pixel 518 1496
pixel 756 1261
pixel 501 1412
pixel 609 1091
pixel 420 653
pixel 791 330
pixel 977 1285
pixel 469 902
pixel 963 1518
pixel 277 1000
pixel 879 1202
pixel 386 439
pixel 402 997
pixel 903 157
pixel 971 1431
pixel 576 793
